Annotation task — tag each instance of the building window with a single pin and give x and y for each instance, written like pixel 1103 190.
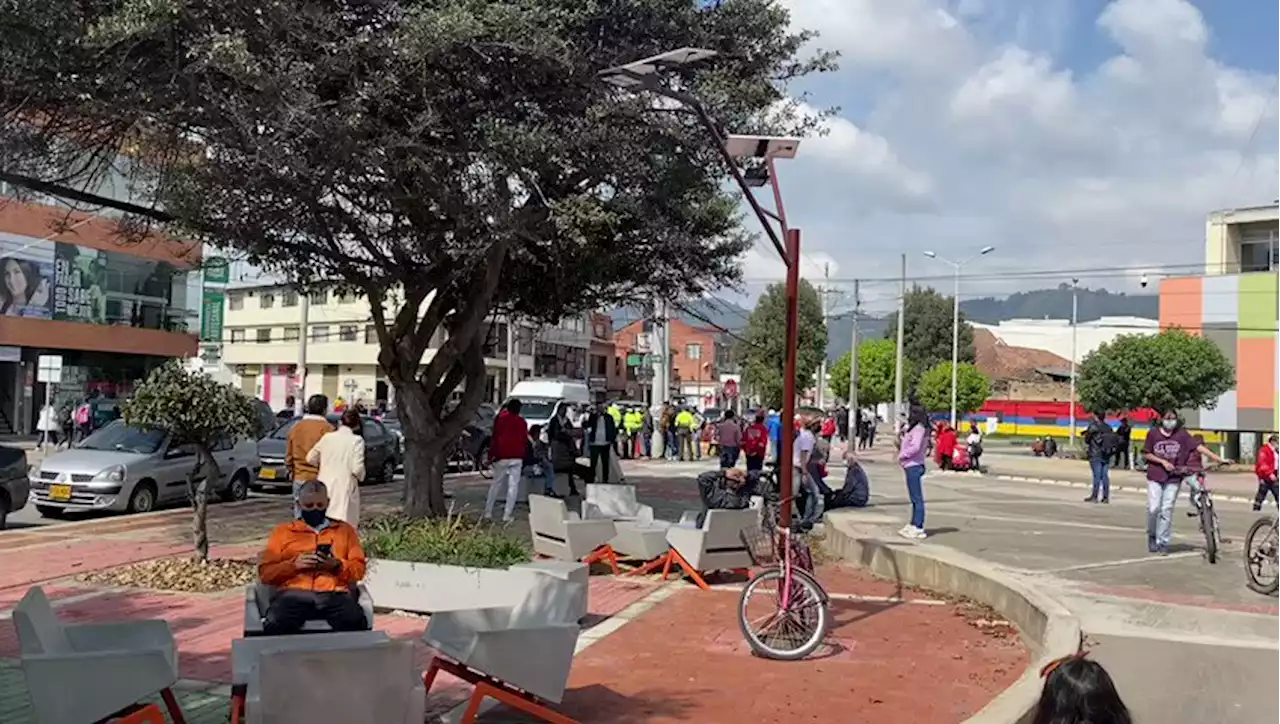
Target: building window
pixel 235 302
pixel 263 335
pixel 267 301
pixel 347 333
pixel 320 333
pixel 370 334
pixel 237 335
pixel 319 297
pixel 291 333
pixel 289 298
pixel 693 351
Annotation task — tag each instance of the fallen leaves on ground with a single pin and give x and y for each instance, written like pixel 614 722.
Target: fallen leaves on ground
pixel 184 575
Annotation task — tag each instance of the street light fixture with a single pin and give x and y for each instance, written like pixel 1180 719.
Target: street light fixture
pixel 645 75
pixel 1074 306
pixel 955 318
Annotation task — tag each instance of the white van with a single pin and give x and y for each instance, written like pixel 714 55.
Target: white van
pixel 542 397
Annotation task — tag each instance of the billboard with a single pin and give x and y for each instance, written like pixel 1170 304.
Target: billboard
pixel 26 276
pixel 80 275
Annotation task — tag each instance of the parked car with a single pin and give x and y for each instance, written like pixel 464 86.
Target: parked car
pixel 381 454
pixel 131 469
pixel 14 486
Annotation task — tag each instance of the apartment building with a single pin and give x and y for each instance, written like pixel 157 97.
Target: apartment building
pixel 694 354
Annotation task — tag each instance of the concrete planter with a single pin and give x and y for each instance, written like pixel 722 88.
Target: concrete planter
pixel 429 587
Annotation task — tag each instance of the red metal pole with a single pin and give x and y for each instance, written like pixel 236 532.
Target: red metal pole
pixel 787 469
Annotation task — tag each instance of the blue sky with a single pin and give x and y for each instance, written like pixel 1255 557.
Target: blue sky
pixel 1070 134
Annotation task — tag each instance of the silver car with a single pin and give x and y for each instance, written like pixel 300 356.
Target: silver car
pixel 133 470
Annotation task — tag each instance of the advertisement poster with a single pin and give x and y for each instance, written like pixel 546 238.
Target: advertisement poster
pixel 79 278
pixel 26 276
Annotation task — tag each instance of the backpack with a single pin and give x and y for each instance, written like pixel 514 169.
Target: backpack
pixel 1111 442
pixel 82 415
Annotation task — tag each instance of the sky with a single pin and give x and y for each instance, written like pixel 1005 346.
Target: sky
pixel 1069 134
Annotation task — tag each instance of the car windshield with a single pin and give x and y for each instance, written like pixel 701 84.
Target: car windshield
pixel 537 408
pixel 121 437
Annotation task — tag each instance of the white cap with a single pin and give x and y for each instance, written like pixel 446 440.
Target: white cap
pixel 772 411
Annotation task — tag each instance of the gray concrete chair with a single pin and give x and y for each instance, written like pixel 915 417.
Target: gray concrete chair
pixel 88 672
pixel 528 646
pixel 557 534
pixel 377 682
pixel 716 546
pixel 614 502
pixel 257 598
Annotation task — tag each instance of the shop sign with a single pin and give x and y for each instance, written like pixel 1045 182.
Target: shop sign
pixel 211 315
pixel 217 270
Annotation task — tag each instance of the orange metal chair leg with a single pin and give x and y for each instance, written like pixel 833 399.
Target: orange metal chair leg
pixel 149 714
pixel 651 566
pixel 486 686
pixel 689 570
pixel 603 554
pixel 171 703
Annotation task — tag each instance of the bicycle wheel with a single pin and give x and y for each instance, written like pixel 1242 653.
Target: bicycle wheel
pixel 1209 526
pixel 775 633
pixel 483 464
pixel 1260 548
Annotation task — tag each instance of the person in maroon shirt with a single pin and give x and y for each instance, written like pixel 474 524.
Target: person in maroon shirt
pixel 506 447
pixel 1166 450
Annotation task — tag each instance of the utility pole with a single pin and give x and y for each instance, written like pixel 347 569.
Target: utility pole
pixel 955 343
pixel 1072 429
pixel 513 354
pixel 897 379
pixel 304 314
pixel 822 366
pixel 853 366
pixel 657 388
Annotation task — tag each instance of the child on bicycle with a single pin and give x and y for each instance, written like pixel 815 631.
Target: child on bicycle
pixel 1195 464
pixel 1079 691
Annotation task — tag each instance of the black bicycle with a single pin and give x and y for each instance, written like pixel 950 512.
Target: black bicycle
pixel 1202 500
pixel 1261 545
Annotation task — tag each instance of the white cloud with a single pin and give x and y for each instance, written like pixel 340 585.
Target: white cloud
pixel 960 131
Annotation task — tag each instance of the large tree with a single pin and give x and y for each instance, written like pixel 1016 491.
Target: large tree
pixel 449 160
pixel 972 388
pixel 1170 370
pixel 877 369
pixel 927 329
pixel 763 348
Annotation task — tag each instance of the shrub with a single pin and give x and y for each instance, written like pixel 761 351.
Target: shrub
pixel 454 540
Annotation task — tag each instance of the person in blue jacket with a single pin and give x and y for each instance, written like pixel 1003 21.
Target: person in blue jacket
pixel 774 423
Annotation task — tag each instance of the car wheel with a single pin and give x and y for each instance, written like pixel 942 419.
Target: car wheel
pixel 237 489
pixel 143 499
pixel 388 470
pixel 49 511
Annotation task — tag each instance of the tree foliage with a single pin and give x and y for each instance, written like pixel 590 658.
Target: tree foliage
pixel 763 349
pixel 448 160
pixel 197 411
pixel 877 369
pixel 1170 370
pixel 972 388
pixel 926 333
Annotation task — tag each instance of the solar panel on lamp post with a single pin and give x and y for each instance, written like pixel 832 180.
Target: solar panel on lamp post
pixel 645 75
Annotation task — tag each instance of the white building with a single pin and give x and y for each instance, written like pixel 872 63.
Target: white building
pixel 262 333
pixel 1054 335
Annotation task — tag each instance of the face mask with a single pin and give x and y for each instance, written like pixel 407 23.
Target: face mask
pixel 313 518
pixel 1169 424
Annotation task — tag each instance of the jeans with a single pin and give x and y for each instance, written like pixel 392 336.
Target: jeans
pixel 646 443
pixel 1266 487
pixel 673 449
pixel 813 500
pixel 915 491
pixel 290 610
pixel 686 445
pixel 728 456
pixel 1160 500
pixel 600 462
pixel 507 471
pixel 755 463
pixel 1101 478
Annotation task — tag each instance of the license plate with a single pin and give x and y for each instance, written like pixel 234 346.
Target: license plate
pixel 60 492
pixel 267 474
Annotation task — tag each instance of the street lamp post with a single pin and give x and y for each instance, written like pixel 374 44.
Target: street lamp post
pixel 644 75
pixel 1074 298
pixel 955 319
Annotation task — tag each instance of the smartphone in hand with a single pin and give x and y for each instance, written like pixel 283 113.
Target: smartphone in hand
pixel 325 549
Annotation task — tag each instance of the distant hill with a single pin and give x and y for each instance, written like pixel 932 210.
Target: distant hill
pixel 719 312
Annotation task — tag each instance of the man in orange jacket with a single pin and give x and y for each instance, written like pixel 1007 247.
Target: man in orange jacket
pixel 315 562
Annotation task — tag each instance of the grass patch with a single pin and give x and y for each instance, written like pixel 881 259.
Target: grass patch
pixel 454 540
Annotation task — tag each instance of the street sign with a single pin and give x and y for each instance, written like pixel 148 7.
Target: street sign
pixel 730 388
pixel 217 270
pixel 635 360
pixel 49 369
pixel 644 374
pixel 597 383
pixel 211 315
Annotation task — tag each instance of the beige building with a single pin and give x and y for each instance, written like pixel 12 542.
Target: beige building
pixel 1241 241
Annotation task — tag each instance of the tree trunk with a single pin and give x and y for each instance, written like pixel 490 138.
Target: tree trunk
pixel 424 469
pixel 198 491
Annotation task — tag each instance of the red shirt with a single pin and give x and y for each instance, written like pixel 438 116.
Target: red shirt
pixel 510 432
pixel 756 439
pixel 1265 468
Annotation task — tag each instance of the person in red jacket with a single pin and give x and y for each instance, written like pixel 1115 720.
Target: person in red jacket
pixel 946 446
pixel 1265 469
pixel 506 448
pixel 755 442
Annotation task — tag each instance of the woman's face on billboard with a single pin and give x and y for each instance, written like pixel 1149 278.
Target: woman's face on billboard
pixel 15 279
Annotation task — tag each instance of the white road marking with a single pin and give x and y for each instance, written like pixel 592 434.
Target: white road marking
pixel 1124 562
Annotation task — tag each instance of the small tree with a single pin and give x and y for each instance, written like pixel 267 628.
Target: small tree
pixel 972 388
pixel 763 351
pixel 197 411
pixel 1169 370
pixel 926 338
pixel 876 370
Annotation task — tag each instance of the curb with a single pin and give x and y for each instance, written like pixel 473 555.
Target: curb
pixel 1045 625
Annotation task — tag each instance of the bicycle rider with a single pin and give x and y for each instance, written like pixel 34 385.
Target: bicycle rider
pixel 1166 449
pixel 1195 464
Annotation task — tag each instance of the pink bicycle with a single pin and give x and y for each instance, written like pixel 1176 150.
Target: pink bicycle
pixel 783 610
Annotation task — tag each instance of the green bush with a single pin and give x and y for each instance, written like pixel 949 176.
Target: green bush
pixel 453 540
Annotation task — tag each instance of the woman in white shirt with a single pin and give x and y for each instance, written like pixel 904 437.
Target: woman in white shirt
pixel 974 442
pixel 340 458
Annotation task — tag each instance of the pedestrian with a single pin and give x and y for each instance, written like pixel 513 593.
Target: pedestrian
pixel 856 490
pixel 828 428
pixel 1166 450
pixel 684 424
pixel 1265 469
pixel 811 504
pixel 646 434
pixel 974 443
pixel 1125 432
pixel 911 454
pixel 946 446
pixel 670 439
pixel 1079 691
pixel 842 423
pixel 1100 443
pixel 506 449
pixel 873 421
pixel 48 425
pixel 729 435
pixel 537 462
pixel 774 424
pixel 633 426
pixel 564 450
pixel 339 460
pixel 304 436
pixel 602 435
pixel 755 443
